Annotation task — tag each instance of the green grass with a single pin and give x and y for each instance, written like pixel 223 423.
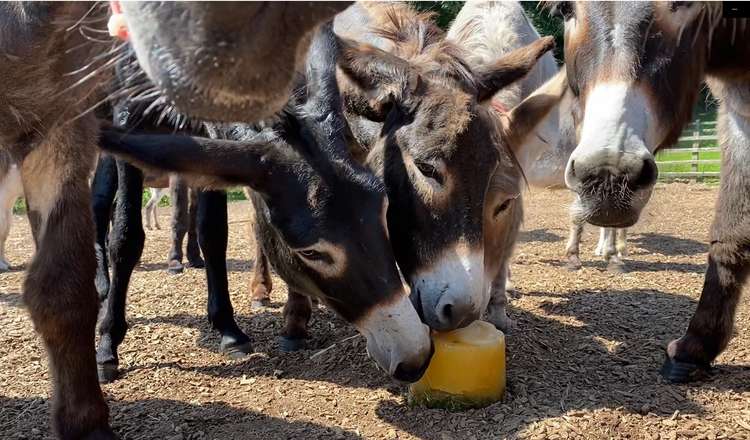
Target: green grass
pixel 686 156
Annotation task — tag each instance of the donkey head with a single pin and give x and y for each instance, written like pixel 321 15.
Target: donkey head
pixel 636 68
pixel 437 152
pixel 327 211
pixel 225 61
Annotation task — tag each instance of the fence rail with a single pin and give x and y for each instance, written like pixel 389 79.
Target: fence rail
pixel 695 156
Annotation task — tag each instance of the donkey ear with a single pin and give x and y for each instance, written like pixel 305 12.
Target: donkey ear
pixel 373 80
pixel 510 68
pixel 521 121
pixel 205 162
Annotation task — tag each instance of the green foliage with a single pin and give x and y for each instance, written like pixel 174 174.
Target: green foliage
pixel 543 21
pixel 547 24
pixel 20 206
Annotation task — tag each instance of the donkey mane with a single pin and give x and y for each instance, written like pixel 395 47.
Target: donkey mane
pixel 417 38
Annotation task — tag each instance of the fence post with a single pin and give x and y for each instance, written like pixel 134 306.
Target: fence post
pixel 696 147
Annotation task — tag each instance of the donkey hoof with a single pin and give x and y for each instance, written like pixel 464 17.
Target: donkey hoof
pixel 174 267
pixel 260 303
pixel 107 372
pixel 502 322
pixel 573 264
pixel 101 434
pixel 196 263
pixel 288 345
pixel 618 267
pixel 683 372
pixel 235 349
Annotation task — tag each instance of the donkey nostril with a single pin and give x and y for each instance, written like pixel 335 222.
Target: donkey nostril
pixel 573 168
pixel 447 312
pixel 648 174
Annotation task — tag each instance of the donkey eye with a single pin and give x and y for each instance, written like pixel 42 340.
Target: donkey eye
pixel 429 170
pixel 502 207
pixel 313 255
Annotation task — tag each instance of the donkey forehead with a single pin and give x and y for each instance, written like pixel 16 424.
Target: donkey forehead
pixel 626 39
pixel 445 123
pixel 608 36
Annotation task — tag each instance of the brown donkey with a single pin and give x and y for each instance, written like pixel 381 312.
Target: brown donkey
pixel 228 61
pixel 413 103
pixel 54 58
pixel 637 69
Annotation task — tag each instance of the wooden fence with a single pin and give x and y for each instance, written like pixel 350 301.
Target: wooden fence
pixel 695 156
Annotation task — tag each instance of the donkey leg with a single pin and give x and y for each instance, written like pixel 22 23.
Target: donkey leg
pixel 297 313
pixel 572 250
pixel 125 248
pixel 710 327
pixel 10 189
pixel 609 252
pixel 261 284
pixel 179 198
pixel 159 193
pixel 621 242
pixel 193 250
pixel 496 309
pixel 508 280
pixel 103 188
pixel 212 237
pixel 152 201
pixel 59 289
pixel 602 243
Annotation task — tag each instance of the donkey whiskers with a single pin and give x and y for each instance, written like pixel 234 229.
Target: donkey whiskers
pixel 111 96
pixel 99 57
pixel 83 18
pixel 92 74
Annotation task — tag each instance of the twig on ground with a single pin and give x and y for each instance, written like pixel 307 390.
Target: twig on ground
pixel 333 345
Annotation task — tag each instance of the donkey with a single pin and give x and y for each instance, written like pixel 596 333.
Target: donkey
pixel 54 63
pixel 636 69
pixel 413 105
pixel 491 29
pixel 324 216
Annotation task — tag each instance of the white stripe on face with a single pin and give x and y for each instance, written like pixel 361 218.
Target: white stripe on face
pixel 395 334
pixel 616 128
pixel 456 278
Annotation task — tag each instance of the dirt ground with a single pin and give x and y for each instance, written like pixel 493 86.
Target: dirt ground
pixel 582 364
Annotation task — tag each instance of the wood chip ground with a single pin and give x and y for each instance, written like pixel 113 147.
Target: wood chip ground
pixel 583 362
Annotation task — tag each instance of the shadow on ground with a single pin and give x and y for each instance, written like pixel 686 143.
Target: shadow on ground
pixel 233 265
pixel 668 244
pixel 542 235
pixel 634 265
pixel 155 419
pixel 604 352
pixel 264 328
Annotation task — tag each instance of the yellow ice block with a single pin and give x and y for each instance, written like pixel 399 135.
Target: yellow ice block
pixel 467 369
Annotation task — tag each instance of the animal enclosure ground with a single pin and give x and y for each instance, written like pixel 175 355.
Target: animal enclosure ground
pixel 582 363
